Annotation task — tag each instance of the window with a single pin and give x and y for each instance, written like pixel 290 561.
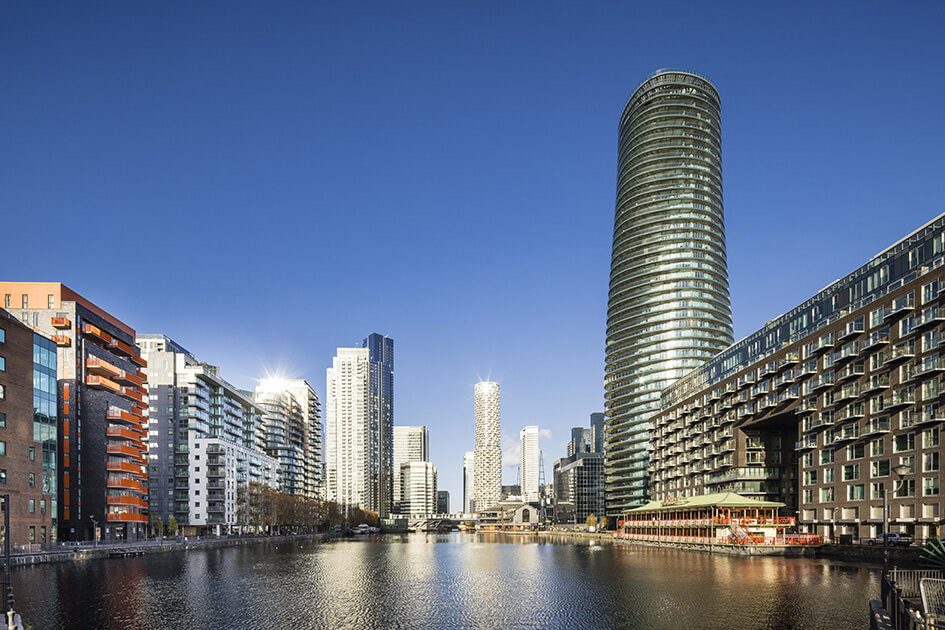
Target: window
pixel 907 489
pixel 808 460
pixel 826 456
pixel 856 492
pixel 3 364
pixel 32 453
pixel 32 480
pixel 856 451
pixel 877 447
pixel 880 468
pixel 3 448
pixel 878 489
pixel 908 460
pixel 930 462
pixel 7 300
pixel 826 495
pixel 808 496
pixel 905 442
pixel 32 506
pixel 3 335
pixel 930 438
pixel 32 530
pixel 51 301
pixel 3 419
pixel 42 506
pixel 851 472
pixel 25 300
pixel 930 487
pixel 3 392
pixel 3 475
pixel 810 477
pixel 829 475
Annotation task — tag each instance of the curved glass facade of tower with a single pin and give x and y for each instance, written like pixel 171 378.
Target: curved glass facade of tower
pixel 668 309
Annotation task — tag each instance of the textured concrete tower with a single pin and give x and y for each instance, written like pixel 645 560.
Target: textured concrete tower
pixel 488 451
pixel 668 309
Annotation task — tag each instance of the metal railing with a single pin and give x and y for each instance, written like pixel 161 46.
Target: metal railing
pixel 902 598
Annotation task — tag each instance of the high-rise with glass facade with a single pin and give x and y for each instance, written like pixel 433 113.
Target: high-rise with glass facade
pixel 668 307
pixel 381 417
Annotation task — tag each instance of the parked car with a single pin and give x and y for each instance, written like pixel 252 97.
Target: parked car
pixel 895 538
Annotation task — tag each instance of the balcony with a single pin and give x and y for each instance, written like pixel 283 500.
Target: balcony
pixel 61 340
pixel 929 365
pixel 899 399
pixel 95 332
pixel 852 412
pixel 791 358
pixel 61 322
pixel 132 393
pixel 854 370
pixel 127 484
pixel 100 382
pixel 100 366
pixel 123 433
pixel 850 432
pixel 929 317
pixel 899 307
pixel 876 427
pixel 127 451
pixel 122 347
pixel 846 352
pixel 126 517
pixel 876 340
pixel 929 415
pixel 123 467
pixel 900 352
pixel 852 329
pixel 808 443
pixel 876 383
pixel 115 413
pixel 747 379
pixel 847 392
pixel 790 394
pixel 126 500
pixel 822 421
pixel 823 382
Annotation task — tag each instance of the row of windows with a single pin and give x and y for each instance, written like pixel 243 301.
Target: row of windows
pixel 25 301
pixel 857 492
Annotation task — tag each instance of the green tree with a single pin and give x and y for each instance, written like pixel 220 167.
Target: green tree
pixel 591 521
pixel 172 525
pixel 157 525
pixel 604 522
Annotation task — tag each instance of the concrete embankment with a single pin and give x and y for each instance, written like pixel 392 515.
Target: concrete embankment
pixel 69 554
pixel 601 537
pixel 898 556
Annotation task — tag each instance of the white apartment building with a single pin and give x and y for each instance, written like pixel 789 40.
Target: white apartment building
pixel 348 454
pixel 469 482
pixel 531 458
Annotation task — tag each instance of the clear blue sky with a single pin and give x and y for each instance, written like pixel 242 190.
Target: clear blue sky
pixel 265 183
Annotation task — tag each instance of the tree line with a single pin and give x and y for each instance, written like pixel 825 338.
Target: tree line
pixel 264 510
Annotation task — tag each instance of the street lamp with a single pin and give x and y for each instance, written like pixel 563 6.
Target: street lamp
pixel 899 471
pixel 94 529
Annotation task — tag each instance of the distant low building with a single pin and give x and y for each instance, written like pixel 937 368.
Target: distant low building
pixel 515 517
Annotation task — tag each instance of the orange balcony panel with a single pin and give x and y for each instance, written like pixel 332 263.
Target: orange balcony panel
pixel 95 331
pixel 128 377
pixel 61 322
pixel 122 347
pixel 137 359
pixel 62 340
pixel 98 366
pixel 123 500
pixel 114 413
pixel 122 467
pixel 127 484
pixel 122 433
pixel 126 517
pixel 121 449
pixel 132 393
pixel 102 383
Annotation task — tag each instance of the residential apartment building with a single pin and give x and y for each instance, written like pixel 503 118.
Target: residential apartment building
pixel 28 436
pixel 206 441
pixel 418 483
pixel 530 463
pixel 293 433
pixel 819 406
pixel 411 444
pixel 102 415
pixel 668 309
pixel 381 419
pixel 487 481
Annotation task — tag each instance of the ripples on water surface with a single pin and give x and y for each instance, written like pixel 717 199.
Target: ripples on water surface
pixel 445 581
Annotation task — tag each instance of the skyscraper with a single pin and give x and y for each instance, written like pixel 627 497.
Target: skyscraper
pixel 411 444
pixel 668 308
pixel 531 454
pixel 381 414
pixel 488 451
pixel 469 482
pixel 347 430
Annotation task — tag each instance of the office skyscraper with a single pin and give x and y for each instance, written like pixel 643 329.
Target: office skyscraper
pixel 668 308
pixel 488 452
pixel 531 454
pixel 411 444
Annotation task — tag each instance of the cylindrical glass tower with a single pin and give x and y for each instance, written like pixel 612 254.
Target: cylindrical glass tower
pixel 668 309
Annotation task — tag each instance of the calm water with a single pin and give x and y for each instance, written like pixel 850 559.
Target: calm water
pixel 445 581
